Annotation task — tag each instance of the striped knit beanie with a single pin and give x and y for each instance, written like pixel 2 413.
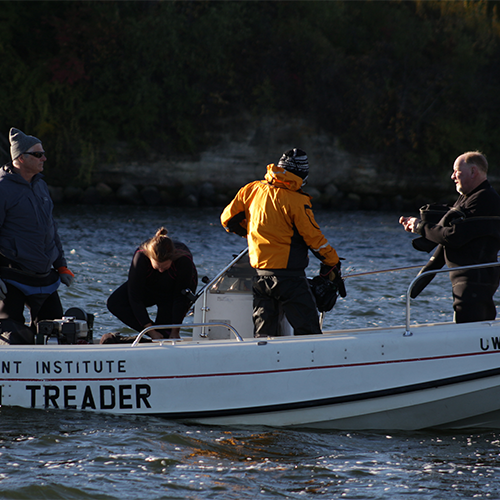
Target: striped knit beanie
pixel 295 161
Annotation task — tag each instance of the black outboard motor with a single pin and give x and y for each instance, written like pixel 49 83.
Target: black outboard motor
pixel 75 327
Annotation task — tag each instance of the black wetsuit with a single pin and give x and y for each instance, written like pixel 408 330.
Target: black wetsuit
pixel 471 237
pixel 147 287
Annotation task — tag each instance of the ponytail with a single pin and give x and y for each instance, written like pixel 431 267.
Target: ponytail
pixel 160 247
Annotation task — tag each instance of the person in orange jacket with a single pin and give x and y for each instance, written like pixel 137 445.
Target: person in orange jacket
pixel 276 217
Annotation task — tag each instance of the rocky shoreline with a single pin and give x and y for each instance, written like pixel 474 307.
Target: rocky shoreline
pixel 241 149
pixel 207 195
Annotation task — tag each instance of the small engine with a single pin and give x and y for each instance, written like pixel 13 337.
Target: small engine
pixel 75 327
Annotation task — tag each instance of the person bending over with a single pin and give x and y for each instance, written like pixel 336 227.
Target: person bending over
pixel 160 271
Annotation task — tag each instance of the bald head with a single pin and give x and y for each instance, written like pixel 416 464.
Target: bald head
pixel 469 171
pixel 475 158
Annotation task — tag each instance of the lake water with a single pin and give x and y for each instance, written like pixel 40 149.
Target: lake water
pixel 61 455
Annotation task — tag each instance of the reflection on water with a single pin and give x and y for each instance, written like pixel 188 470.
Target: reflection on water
pixel 50 454
pixel 99 243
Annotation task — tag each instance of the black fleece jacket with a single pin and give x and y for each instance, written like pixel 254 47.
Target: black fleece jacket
pixel 473 237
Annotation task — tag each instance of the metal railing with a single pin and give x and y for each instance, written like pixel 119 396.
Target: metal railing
pixel 428 273
pixel 239 338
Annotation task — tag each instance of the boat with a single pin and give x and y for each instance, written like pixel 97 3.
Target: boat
pixel 408 377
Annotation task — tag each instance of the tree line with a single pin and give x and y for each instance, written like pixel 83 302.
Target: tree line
pixel 415 82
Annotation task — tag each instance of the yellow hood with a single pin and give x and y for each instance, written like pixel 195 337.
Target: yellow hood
pixel 280 177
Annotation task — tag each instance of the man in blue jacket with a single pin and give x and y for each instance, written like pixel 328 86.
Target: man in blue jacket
pixel 32 263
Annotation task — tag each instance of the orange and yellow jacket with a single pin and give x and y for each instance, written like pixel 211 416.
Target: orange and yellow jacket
pixel 278 221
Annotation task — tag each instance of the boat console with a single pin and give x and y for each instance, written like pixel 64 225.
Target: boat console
pixel 228 299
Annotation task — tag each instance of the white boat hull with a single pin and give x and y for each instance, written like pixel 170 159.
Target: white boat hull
pixel 444 375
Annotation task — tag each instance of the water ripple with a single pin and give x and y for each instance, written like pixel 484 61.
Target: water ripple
pixel 74 455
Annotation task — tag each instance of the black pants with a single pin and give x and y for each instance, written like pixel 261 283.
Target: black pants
pixel 293 296
pixel 15 333
pixel 119 305
pixel 41 306
pixel 473 302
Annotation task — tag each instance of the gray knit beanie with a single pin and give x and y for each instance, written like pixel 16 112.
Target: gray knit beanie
pixel 295 161
pixel 20 142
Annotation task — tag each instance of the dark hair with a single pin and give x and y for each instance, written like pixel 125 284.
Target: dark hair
pixel 160 247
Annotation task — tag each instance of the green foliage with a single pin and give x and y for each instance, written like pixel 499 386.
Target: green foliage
pixel 414 81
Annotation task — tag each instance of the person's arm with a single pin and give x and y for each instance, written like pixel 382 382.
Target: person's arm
pixel 183 272
pixel 61 259
pixel 462 232
pixel 233 218
pixel 471 217
pixel 303 218
pixel 155 334
pixel 43 191
pixel 3 208
pixel 66 275
pixel 3 287
pixel 140 268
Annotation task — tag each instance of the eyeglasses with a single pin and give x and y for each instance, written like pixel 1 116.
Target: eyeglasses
pixel 36 154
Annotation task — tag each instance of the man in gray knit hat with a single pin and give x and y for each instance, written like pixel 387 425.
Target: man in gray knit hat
pixel 32 263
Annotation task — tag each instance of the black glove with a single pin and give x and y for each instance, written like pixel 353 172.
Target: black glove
pixel 330 272
pixel 340 285
pixel 334 274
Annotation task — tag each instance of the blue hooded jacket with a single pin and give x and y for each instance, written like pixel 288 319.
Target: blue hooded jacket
pixel 28 232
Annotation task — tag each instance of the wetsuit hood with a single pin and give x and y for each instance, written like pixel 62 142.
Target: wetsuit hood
pixel 279 177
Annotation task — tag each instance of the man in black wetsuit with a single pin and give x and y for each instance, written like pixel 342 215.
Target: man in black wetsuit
pixel 469 233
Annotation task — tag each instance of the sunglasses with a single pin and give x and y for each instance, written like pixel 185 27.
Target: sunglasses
pixel 36 154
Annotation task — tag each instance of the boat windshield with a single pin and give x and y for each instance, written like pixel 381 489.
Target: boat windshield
pixel 238 278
